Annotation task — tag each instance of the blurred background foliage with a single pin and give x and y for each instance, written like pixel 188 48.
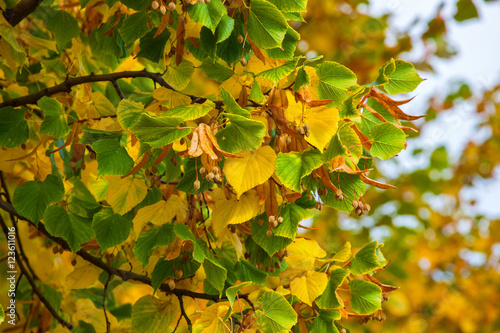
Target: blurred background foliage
pixel 445 253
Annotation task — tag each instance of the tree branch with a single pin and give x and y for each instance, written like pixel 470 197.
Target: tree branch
pixel 22 9
pixel 34 287
pixel 108 325
pixel 124 275
pixel 68 84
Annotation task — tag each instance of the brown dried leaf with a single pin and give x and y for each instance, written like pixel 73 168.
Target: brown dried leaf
pixel 139 165
pixel 392 106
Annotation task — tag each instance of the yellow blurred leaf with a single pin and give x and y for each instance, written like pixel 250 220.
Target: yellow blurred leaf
pixel 174 98
pixel 211 319
pixel 124 194
pixel 160 213
pixel 84 275
pixel 253 169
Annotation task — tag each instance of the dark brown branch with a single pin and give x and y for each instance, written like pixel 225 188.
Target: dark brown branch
pixel 183 311
pixel 68 84
pixel 34 287
pixel 108 325
pixel 19 12
pixel 124 275
pixel 118 90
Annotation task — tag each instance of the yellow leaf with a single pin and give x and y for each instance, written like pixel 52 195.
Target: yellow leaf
pixel 323 122
pixel 102 105
pixel 38 43
pixel 294 112
pixel 235 83
pixel 84 275
pixel 235 211
pixel 124 194
pixel 307 288
pixel 211 319
pixel 174 98
pixel 160 213
pixel 303 254
pixel 98 187
pixel 253 169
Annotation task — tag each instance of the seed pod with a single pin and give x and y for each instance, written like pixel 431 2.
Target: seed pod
pixel 319 206
pixel 301 130
pixel 243 62
pixel 355 203
pixel 260 266
pixel 163 10
pixel 280 219
pixel 210 176
pixel 201 2
pixel 287 253
pixel 83 166
pixel 171 284
pixel 197 185
pixel 171 6
pixel 217 177
pixel 207 1
pixel 309 197
pixel 367 207
pixel 203 171
pixel 268 268
pixel 111 256
pixel 281 252
pixel 275 224
pixel 308 133
pixel 271 219
pixel 343 330
pixel 73 262
pixel 155 5
pixel 240 39
pixel 23 146
pixel 360 205
pixel 288 140
pixel 272 269
pixel 269 233
pixel 61 250
pixel 55 249
pixel 232 229
pixel 178 273
pixel 216 169
pixel 93 155
pixel 307 127
pixel 277 265
pixel 359 211
pixel 154 170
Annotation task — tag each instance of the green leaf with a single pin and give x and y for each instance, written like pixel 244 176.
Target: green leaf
pixel 368 120
pixel 216 274
pixel 112 158
pixel 180 76
pixel 91 135
pixel 266 25
pixel 186 183
pixel 231 292
pixel 466 10
pixel 276 74
pixel 294 17
pixel 292 214
pixel 301 80
pixel 189 111
pixel 270 244
pixel 64 27
pixel 256 94
pixel 135 4
pixel 32 198
pixel 158 131
pixel 80 201
pixel 182 231
pixel 129 112
pixel 387 140
pixel 334 81
pixel 151 315
pixel 14 129
pixel 224 29
pixel 153 48
pixel 2 314
pixel 366 297
pixel 346 137
pixel 231 50
pixel 83 327
pixel 208 14
pixel 166 268
pixel 134 27
pixel 291 167
pixel 111 229
pixel 151 239
pixel 290 5
pixel 231 105
pixel 247 272
pixel 323 323
pixel 287 49
pixel 240 133
pixel 276 314
pixel 216 71
pixel 352 187
pixel 398 77
pixel 365 260
pixel 7 33
pixel 72 228
pixel 329 299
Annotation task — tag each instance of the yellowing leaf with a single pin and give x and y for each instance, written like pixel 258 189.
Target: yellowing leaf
pixel 303 254
pixel 307 288
pixel 160 213
pixel 235 211
pixel 211 319
pixel 323 122
pixel 98 187
pixel 84 275
pixel 253 169
pixel 124 194
pixel 174 98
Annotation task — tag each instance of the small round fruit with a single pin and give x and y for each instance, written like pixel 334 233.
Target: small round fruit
pixel 359 211
pixel 240 39
pixel 280 219
pixel 197 185
pixel 171 284
pixel 269 233
pixel 203 171
pixel 73 262
pixel 355 203
pixel 163 10
pixel 243 62
pixel 155 5
pixel 288 140
pixel 215 169
pixel 171 6
pixel 210 176
pixel 275 224
pixel 271 219
pixel 178 273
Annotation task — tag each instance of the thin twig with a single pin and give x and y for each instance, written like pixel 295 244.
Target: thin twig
pixel 108 324
pixel 183 311
pixel 33 284
pixel 118 90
